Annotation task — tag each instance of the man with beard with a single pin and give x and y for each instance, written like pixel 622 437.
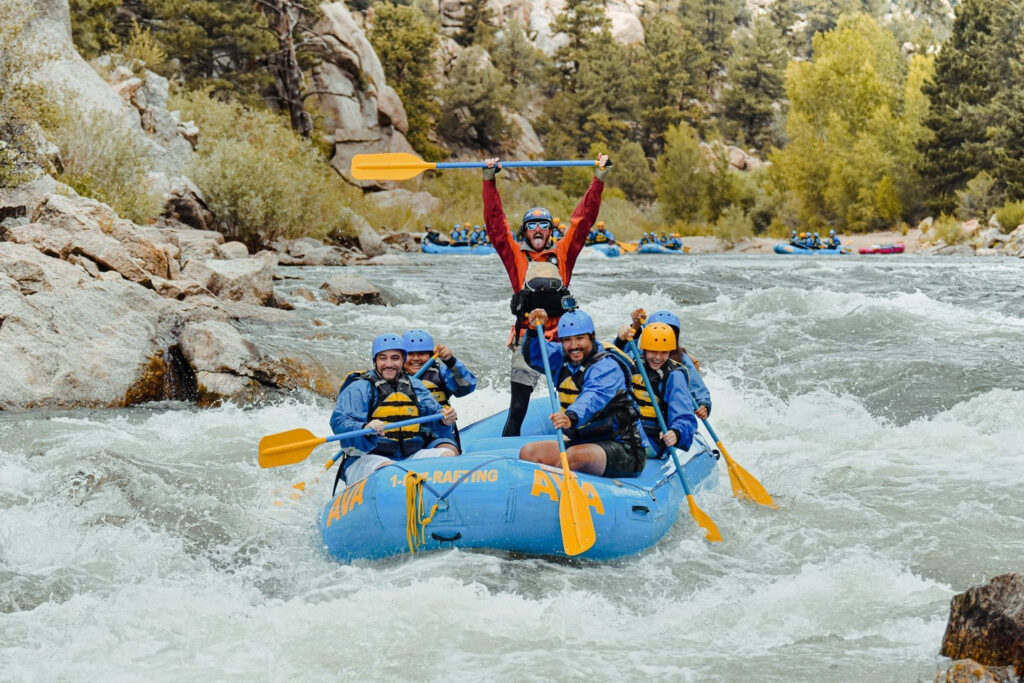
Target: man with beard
pixel 373 398
pixel 539 270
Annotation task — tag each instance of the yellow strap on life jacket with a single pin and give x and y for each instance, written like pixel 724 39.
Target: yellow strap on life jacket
pixel 396 407
pixel 568 392
pixel 642 398
pixel 436 391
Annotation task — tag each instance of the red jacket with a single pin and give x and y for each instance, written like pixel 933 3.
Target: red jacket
pixel 516 259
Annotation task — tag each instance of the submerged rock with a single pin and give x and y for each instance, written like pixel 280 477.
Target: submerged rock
pixel 986 624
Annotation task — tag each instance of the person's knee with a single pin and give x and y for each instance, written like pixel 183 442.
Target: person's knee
pixel 530 452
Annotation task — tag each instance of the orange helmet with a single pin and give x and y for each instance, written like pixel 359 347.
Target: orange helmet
pixel 600 224
pixel 658 337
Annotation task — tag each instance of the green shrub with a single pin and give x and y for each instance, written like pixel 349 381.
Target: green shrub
pixel 947 229
pixel 1010 215
pixel 979 198
pixel 261 179
pixel 103 159
pixel 733 225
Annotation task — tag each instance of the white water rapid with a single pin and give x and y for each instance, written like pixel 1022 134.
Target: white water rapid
pixel 879 399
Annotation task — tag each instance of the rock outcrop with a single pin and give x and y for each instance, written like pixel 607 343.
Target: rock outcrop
pixel 986 625
pixel 362 113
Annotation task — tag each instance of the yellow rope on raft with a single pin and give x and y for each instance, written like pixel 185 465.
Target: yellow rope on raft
pixel 415 524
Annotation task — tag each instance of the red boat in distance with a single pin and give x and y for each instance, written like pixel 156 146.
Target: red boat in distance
pixel 896 248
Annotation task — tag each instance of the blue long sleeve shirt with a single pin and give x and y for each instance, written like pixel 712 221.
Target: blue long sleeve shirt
pixel 458 379
pixel 352 412
pixel 601 381
pixel 698 390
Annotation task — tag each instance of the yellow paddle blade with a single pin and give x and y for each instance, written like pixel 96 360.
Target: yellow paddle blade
pixel 574 514
pixel 392 166
pixel 287 448
pixel 744 485
pixel 627 246
pixel 704 522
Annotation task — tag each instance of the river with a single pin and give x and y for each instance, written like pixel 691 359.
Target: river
pixel 878 399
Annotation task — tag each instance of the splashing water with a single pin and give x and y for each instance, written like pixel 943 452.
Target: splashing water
pixel 878 401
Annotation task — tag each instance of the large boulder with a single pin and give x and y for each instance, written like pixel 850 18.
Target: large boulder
pixel 100 344
pixel 34 272
pixel 348 288
pixel 417 204
pixel 986 624
pixel 244 279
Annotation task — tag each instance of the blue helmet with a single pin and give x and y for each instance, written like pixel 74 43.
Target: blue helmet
pixel 817 235
pixel 832 232
pixel 667 317
pixel 418 340
pixel 538 214
pixel 793 233
pixel 476 227
pixel 387 342
pixel 574 323
pixel 456 226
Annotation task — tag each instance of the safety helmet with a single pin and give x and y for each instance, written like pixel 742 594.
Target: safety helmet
pixel 538 214
pixel 600 224
pixel 793 233
pixel 427 226
pixel 476 227
pixel 387 342
pixel 832 232
pixel 574 323
pixel 465 225
pixel 418 340
pixel 658 337
pixel 455 226
pixel 803 234
pixel 817 235
pixel 556 220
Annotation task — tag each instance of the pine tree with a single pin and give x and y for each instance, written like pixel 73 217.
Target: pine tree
pixel 477 24
pixel 471 112
pixel 754 86
pixel 974 98
pixel 405 40
pixel 672 67
pixel 712 23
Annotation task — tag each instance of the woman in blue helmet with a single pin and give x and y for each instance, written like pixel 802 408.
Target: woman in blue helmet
pixel 599 419
pixel 698 389
pixel 373 398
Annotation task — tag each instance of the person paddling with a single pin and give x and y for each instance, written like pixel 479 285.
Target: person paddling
pixel 670 383
pixel 386 393
pixel 599 417
pixel 539 270
pixel 449 377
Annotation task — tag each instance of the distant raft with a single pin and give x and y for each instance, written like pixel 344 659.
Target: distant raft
pixel 609 250
pixel 489 499
pixel 477 249
pixel 896 248
pixel 786 248
pixel 659 249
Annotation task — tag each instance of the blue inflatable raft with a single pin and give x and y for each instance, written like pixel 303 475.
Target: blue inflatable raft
pixel 487 498
pixel 609 250
pixel 787 248
pixel 658 249
pixel 431 248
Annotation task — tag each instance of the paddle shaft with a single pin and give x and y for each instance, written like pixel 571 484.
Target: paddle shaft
pixel 347 435
pixel 657 411
pixel 551 394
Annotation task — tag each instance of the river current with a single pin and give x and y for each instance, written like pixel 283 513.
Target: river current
pixel 878 399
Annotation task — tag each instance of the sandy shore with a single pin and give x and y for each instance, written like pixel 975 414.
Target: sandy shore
pixel 764 245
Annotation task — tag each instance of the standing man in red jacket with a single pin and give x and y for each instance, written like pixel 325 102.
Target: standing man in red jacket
pixel 539 271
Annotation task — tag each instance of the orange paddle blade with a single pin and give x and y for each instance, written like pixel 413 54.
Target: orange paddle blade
pixel 704 522
pixel 744 485
pixel 287 448
pixel 391 166
pixel 578 533
pixel 627 246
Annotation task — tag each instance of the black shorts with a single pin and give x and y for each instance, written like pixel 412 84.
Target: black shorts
pixel 624 459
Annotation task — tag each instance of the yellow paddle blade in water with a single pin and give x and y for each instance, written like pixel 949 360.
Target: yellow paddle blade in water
pixel 578 533
pixel 627 246
pixel 392 166
pixel 287 448
pixel 744 485
pixel 703 521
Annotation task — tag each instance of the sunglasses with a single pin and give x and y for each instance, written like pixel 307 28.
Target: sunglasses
pixel 538 225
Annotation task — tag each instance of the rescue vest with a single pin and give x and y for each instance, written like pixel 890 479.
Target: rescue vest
pixel 435 384
pixel 542 288
pixel 392 402
pixel 615 420
pixel 659 378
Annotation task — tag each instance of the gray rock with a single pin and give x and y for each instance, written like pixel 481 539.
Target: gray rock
pixel 232 250
pixel 369 241
pixel 418 204
pixel 84 346
pixel 245 279
pixel 214 346
pixel 33 272
pixel 350 288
